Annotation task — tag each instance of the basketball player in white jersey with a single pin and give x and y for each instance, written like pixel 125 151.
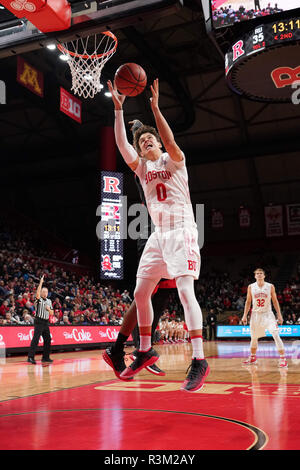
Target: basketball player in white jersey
pixel 261 294
pixel 172 251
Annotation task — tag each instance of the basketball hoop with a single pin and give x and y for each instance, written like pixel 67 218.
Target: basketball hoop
pixel 86 58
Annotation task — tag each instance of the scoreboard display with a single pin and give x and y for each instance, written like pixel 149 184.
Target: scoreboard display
pixel 110 229
pixel 262 37
pixel 263 64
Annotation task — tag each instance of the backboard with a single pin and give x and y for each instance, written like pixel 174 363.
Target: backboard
pixel 88 17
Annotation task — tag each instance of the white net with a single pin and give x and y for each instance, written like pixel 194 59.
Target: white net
pixel 86 58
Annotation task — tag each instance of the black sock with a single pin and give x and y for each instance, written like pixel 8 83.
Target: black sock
pixel 119 344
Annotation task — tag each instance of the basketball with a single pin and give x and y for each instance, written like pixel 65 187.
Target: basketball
pixel 130 79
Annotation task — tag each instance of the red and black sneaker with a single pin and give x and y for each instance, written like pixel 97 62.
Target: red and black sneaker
pixel 116 361
pixel 199 369
pixel 154 369
pixel 143 359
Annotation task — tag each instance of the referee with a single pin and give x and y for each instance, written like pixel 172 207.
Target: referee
pixel 41 325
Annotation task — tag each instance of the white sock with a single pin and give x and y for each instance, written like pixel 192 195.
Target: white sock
pixel 145 343
pixel 197 345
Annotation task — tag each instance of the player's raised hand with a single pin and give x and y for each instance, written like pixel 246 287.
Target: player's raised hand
pixel 155 94
pixel 117 98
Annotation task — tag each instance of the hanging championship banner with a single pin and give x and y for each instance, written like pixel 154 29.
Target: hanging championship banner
pixel 217 219
pixel 274 221
pixel 244 217
pixel 293 219
pixel 30 77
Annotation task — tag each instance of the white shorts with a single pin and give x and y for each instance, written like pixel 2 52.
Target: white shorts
pixel 260 322
pixel 170 255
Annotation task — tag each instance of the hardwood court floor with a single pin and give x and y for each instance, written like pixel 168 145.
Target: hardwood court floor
pixel 62 405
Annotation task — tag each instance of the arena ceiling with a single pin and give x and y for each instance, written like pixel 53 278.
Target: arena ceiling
pixel 210 122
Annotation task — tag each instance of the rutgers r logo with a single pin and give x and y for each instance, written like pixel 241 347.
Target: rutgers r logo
pixel 238 50
pixel 111 185
pixel 192 265
pixel 285 76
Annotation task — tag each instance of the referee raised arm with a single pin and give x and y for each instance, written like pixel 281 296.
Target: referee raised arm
pixel 43 309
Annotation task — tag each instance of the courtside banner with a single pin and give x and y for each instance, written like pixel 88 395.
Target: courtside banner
pixel 21 336
pixel 240 331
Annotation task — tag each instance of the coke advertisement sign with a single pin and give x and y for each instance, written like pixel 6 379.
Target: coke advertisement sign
pixel 21 336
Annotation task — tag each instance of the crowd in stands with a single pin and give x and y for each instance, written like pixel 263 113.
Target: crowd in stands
pixel 76 299
pixel 79 299
pixel 227 16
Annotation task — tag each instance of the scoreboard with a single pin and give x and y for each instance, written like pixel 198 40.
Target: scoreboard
pixel 264 63
pixel 262 37
pixel 110 228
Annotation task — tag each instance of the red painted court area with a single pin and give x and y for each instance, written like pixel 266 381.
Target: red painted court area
pixel 117 415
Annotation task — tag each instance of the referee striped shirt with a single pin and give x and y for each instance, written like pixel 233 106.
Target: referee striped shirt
pixel 41 311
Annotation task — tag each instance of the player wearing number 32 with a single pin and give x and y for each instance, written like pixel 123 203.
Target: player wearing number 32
pixel 172 250
pixel 261 294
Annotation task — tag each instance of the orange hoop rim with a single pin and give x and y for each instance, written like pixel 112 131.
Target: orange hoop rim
pixel 94 56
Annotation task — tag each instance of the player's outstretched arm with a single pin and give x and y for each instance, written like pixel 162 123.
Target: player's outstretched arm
pixel 276 305
pixel 247 306
pixel 163 127
pixel 126 149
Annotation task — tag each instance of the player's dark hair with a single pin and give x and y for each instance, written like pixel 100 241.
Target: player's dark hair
pixel 143 130
pixel 259 269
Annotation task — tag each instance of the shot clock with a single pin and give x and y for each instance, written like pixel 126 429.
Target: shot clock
pixel 286 30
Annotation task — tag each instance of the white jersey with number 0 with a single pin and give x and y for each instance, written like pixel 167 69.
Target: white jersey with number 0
pixel 165 185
